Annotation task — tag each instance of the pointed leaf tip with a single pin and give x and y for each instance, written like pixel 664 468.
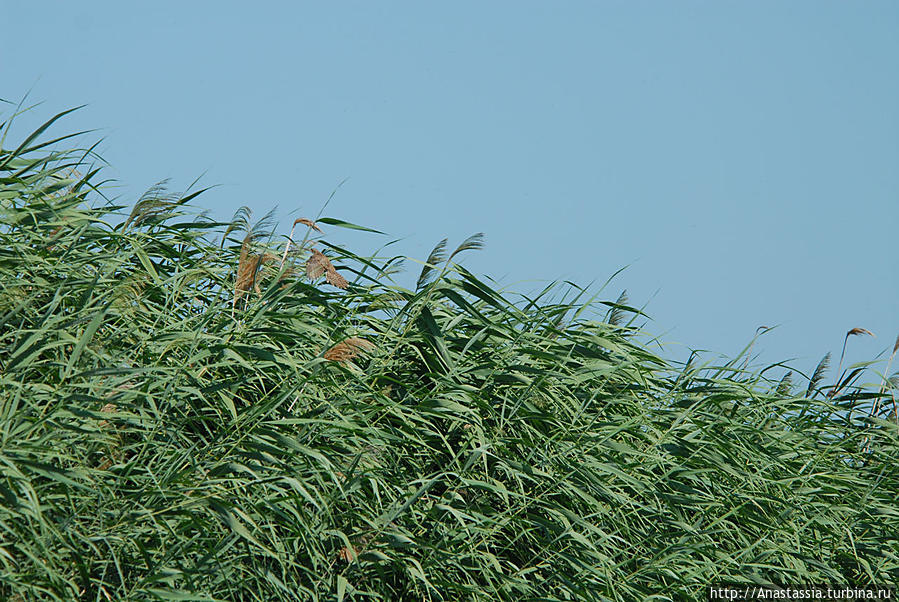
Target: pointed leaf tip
pixel 331 221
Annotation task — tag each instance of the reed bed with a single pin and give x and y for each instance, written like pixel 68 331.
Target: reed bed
pixel 188 411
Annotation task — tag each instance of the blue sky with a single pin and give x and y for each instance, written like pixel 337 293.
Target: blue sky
pixel 742 159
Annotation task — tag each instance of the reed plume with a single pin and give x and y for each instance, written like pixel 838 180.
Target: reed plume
pixel 319 264
pixel 306 222
pixel 818 375
pixel 616 314
pixel 348 349
pixel 247 270
pixel 840 382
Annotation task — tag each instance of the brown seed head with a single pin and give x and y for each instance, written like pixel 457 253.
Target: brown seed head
pixel 348 349
pixel 348 554
pixel 335 279
pixel 307 222
pixel 319 264
pixel 247 270
pixel 859 331
pixel 246 267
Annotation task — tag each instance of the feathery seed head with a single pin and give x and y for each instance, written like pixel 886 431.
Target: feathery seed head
pixel 348 349
pixel 307 222
pixel 319 264
pixel 860 331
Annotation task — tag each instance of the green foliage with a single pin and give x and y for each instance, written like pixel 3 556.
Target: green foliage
pixel 156 444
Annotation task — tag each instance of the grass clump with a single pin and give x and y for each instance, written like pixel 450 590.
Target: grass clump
pixel 200 410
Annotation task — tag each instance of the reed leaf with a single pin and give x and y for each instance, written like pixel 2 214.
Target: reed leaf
pixel 488 446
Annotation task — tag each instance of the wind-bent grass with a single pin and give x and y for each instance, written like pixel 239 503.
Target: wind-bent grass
pixel 174 426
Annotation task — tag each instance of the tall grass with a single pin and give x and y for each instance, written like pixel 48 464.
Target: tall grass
pixel 193 410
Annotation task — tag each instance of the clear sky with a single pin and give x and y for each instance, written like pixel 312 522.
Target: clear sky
pixel 742 158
